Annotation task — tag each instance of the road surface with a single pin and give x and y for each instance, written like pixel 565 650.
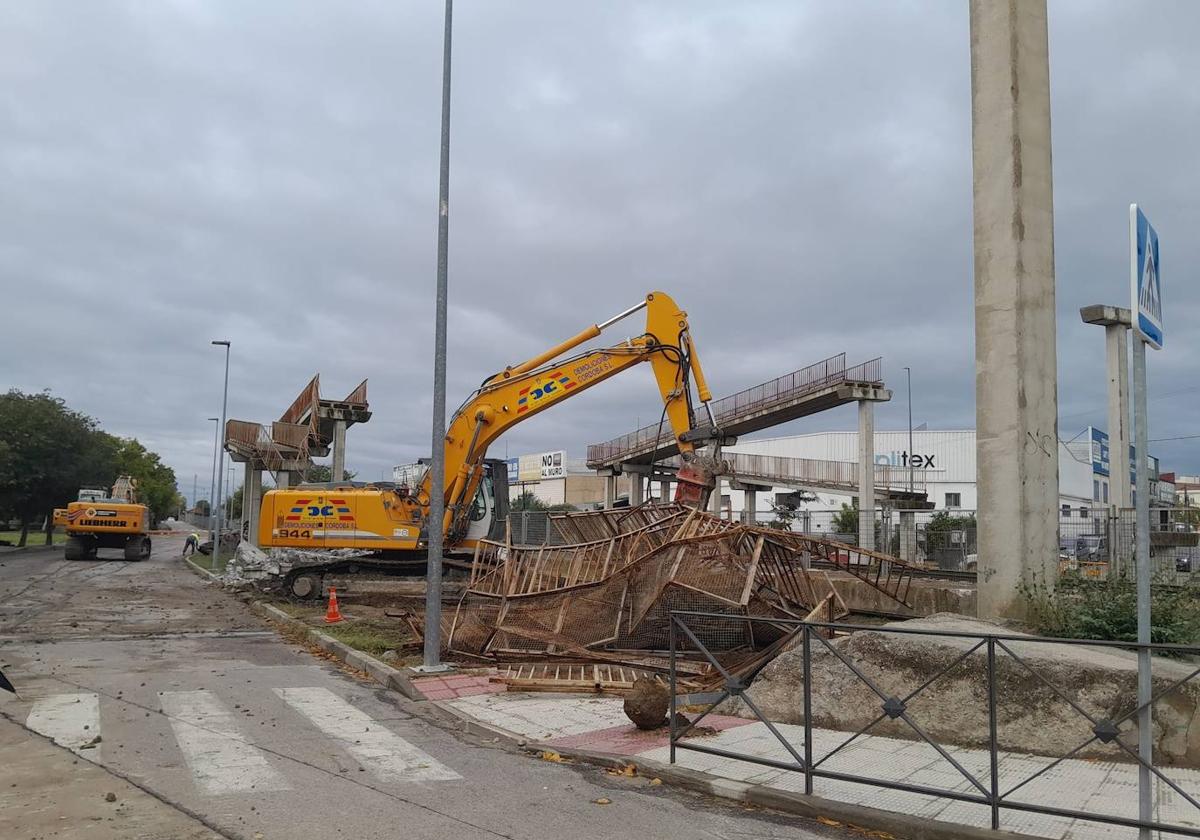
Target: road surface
pixel 170 683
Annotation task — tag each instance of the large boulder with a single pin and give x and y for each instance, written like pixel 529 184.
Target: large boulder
pixel 953 709
pixel 647 703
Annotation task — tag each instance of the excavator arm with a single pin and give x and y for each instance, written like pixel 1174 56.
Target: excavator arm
pixel 521 391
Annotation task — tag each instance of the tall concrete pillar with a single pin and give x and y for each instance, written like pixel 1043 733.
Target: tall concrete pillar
pixel 664 491
pixel 252 500
pixel 714 501
pixel 1016 380
pixel 750 507
pixel 610 491
pixel 866 474
pixel 908 536
pixel 637 493
pixel 339 451
pixel 283 479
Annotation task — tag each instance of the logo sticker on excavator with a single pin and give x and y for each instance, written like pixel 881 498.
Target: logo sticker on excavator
pixel 557 383
pixel 320 509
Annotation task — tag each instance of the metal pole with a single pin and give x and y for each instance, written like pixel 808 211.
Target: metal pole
pixel 437 469
pixel 216 556
pixel 908 371
pixel 1142 529
pixel 212 488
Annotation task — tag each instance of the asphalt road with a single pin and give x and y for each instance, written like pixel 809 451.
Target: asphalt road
pixel 198 701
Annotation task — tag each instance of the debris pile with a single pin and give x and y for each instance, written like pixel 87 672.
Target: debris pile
pixel 557 613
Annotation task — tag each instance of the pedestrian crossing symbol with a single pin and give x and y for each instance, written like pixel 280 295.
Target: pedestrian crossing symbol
pixel 1146 284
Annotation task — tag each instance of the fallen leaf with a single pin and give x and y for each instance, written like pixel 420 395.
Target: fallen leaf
pixel 550 755
pixel 827 821
pixel 603 800
pixel 656 781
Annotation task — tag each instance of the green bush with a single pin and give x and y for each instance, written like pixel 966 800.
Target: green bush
pixel 1107 610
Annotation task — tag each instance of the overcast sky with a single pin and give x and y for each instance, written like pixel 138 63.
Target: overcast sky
pixel 796 174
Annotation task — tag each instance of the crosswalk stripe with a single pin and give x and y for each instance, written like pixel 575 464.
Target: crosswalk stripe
pixel 384 753
pixel 70 720
pixel 220 758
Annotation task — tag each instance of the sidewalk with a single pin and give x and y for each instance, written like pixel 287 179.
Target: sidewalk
pixel 46 791
pixel 598 725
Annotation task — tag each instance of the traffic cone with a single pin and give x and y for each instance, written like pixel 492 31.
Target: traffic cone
pixel 332 615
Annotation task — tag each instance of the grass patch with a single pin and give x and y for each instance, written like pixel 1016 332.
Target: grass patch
pixel 35 538
pixel 1107 611
pixel 368 636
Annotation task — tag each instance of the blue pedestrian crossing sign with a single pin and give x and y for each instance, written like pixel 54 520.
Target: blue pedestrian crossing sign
pixel 1145 278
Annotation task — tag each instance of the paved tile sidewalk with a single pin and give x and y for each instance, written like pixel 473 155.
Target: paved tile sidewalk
pixel 1091 786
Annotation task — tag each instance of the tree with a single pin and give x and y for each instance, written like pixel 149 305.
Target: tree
pixel 235 504
pixel 845 521
pixel 47 451
pixel 528 501
pixel 156 481
pixel 787 513
pixel 201 508
pixel 323 473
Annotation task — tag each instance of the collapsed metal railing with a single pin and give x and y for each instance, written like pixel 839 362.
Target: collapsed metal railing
pixel 986 790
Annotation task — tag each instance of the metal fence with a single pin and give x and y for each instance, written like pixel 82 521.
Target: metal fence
pixel 993 658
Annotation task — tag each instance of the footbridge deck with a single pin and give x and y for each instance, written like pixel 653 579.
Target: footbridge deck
pixel 819 387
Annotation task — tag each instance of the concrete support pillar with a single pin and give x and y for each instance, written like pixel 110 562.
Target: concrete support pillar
pixel 908 536
pixel 637 492
pixel 338 472
pixel 610 491
pixel 750 507
pixel 866 474
pixel 664 491
pixel 1016 377
pixel 252 500
pixel 1120 490
pixel 283 479
pixel 714 502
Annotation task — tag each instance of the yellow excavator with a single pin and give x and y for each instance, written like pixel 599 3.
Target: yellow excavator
pixel 393 518
pixel 108 519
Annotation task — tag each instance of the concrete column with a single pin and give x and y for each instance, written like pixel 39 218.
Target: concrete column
pixel 866 474
pixel 908 536
pixel 252 500
pixel 339 451
pixel 637 493
pixel 1016 380
pixel 664 491
pixel 1117 346
pixel 610 491
pixel 283 480
pixel 750 507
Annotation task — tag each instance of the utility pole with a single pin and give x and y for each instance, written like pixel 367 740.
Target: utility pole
pixel 212 488
pixel 908 371
pixel 216 555
pixel 435 525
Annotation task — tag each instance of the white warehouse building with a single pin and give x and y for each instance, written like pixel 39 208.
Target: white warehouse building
pixel 943 467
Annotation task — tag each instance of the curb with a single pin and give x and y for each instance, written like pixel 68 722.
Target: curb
pixel 907 826
pixel 381 672
pixel 200 570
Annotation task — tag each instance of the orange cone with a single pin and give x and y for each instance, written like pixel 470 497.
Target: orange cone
pixel 332 615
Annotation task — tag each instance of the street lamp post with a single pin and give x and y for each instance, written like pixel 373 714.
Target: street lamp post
pixel 212 488
pixel 908 371
pixel 437 468
pixel 220 457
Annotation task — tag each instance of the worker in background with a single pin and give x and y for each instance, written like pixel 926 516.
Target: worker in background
pixel 192 543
